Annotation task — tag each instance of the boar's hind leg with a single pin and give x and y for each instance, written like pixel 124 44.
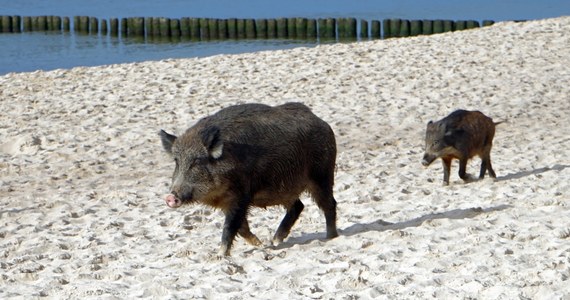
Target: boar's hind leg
pixel 289 220
pixel 486 165
pixel 247 235
pixel 323 196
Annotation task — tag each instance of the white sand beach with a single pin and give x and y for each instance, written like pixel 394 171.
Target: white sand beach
pixel 83 174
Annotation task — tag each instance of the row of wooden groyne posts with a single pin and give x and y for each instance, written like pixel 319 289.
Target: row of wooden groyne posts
pixel 201 29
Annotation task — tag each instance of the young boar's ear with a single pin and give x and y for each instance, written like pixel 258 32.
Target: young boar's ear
pixel 167 140
pixel 212 141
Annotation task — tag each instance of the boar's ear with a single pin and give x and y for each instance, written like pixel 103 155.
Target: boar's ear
pixel 212 141
pixel 167 140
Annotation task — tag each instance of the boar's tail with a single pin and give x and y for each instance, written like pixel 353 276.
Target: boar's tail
pixel 501 122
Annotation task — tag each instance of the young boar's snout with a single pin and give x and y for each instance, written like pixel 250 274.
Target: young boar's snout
pixel 428 159
pixel 173 200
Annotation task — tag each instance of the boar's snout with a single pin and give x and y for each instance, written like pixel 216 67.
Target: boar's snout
pixel 428 159
pixel 173 200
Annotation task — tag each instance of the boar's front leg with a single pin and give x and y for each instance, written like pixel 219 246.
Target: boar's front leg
pixel 446 162
pixel 235 217
pixel 463 169
pixel 289 220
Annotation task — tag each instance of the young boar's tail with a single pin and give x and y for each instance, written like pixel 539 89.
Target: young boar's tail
pixel 501 122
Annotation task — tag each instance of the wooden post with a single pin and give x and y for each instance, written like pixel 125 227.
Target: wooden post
pixel 49 23
pixel 27 24
pixel 282 28
pixel 232 28
pixel 6 24
pixel 291 28
pixel 472 24
pixel 301 28
pixel 250 29
pixel 312 29
pixel 75 24
pixel 184 28
pixel 222 29
pixel 375 29
pixel 93 25
pixel 427 27
pixel 213 28
pixel 350 28
pixel 488 23
pixel 164 26
pixel 364 29
pixel 438 26
pixel 240 28
pixel 195 34
pixel 204 29
pixel 460 25
pixel 261 28
pixel 66 24
pixel 104 27
pixel 416 27
pixel 395 25
pixel 175 28
pixel 448 26
pixel 271 29
pixel 327 29
pixel 16 24
pixel 42 23
pixel 124 27
pixel 386 27
pixel 83 24
pixel 404 28
pixel 114 30
pixel 340 28
pixel 56 23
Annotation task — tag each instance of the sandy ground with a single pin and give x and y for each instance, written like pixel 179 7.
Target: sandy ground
pixel 82 174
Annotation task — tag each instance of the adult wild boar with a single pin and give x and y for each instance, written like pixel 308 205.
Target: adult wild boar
pixel 255 155
pixel 461 135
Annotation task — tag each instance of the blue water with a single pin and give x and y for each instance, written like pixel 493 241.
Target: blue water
pixel 47 51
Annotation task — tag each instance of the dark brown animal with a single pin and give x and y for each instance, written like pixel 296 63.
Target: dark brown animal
pixel 461 135
pixel 255 155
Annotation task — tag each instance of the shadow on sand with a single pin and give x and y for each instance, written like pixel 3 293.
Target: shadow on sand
pixel 532 172
pixel 381 225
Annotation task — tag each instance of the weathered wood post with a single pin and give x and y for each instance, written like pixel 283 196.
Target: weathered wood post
pixel 175 29
pixel 232 28
pixel 416 27
pixel 327 29
pixel 250 29
pixel 395 25
pixel 93 25
pixel 448 25
pixel 195 34
pixel 240 28
pixel 437 26
pixel 16 24
pixel 164 26
pixel 375 29
pixel 104 27
pixel 27 24
pixel 271 29
pixel 184 28
pixel 291 28
pixel 6 24
pixel 282 28
pixel 364 29
pixel 427 27
pixel 312 29
pixel 114 30
pixel 472 24
pixel 222 29
pixel 124 27
pixel 404 28
pixel 83 24
pixel 261 28
pixel 75 24
pixel 213 28
pixel 57 23
pixel 488 23
pixel 386 28
pixel 301 28
pixel 460 25
pixel 66 24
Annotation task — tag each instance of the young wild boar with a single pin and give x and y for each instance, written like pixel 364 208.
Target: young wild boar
pixel 255 155
pixel 461 135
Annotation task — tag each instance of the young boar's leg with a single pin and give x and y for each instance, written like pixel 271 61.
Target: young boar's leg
pixel 463 169
pixel 325 200
pixel 247 235
pixel 235 217
pixel 486 165
pixel 289 220
pixel 446 162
